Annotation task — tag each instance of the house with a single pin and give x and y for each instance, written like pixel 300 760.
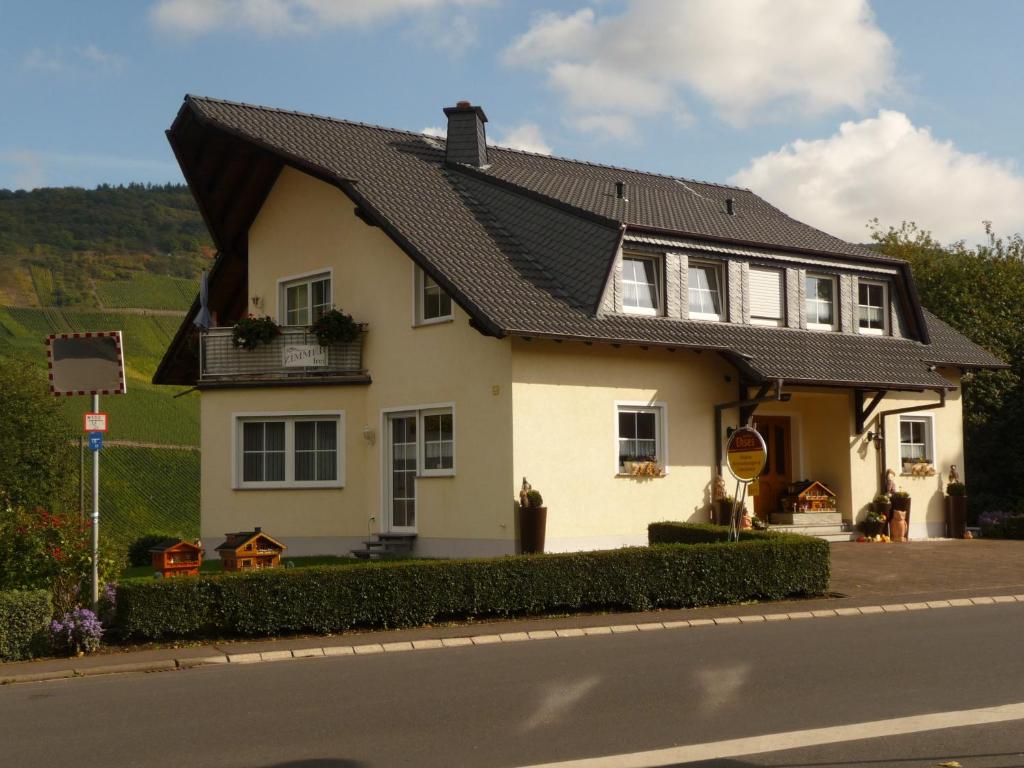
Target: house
pixel 532 316
pixel 176 557
pixel 250 551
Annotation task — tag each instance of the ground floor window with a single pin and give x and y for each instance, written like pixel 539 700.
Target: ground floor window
pixel 640 434
pixel 916 439
pixel 289 450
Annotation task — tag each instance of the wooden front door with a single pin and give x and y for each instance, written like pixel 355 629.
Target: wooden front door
pixel 778 470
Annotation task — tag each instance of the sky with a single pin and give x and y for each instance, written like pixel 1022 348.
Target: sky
pixel 837 111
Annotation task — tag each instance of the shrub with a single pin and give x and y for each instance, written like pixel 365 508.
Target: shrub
pixel 696 533
pixel 335 327
pixel 77 631
pixel 956 489
pixel 403 594
pixel 24 618
pixel 138 550
pixel 1002 525
pixel 534 499
pixel 250 332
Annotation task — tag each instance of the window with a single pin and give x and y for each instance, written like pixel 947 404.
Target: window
pixel 305 300
pixel 871 308
pixel 916 439
pixel 705 284
pixel 433 305
pixel 641 285
pixel 290 451
pixel 821 303
pixel 640 434
pixel 766 292
pixel 438 441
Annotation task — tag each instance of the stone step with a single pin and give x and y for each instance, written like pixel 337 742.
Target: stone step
pixel 806 518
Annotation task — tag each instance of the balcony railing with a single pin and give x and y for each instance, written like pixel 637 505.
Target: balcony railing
pixel 294 354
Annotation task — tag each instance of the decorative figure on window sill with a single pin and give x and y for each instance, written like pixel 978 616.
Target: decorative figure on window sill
pixel 524 502
pixel 954 474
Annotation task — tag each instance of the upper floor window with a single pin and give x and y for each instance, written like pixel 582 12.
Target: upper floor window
pixel 705 287
pixel 766 296
pixel 433 305
pixel 306 299
pixel 871 307
pixel 821 303
pixel 641 288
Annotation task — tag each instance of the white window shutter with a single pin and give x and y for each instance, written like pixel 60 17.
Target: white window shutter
pixel 766 294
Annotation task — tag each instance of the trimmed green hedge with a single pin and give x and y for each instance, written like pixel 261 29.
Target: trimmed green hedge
pixel 697 533
pixel 1011 527
pixel 24 618
pixel 404 594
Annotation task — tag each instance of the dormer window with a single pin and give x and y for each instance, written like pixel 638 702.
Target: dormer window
pixel 872 301
pixel 766 296
pixel 821 303
pixel 705 284
pixel 433 305
pixel 641 285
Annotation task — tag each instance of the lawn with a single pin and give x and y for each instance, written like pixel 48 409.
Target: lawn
pixel 212 566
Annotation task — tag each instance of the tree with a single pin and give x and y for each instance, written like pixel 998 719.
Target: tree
pixel 980 292
pixel 38 464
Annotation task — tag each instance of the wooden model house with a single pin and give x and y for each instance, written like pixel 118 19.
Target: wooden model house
pixel 250 550
pixel 809 496
pixel 177 557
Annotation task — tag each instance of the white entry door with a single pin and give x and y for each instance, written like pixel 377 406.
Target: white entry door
pixel 401 473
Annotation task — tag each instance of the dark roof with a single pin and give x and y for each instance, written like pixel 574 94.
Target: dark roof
pixel 240 538
pixel 166 544
pixel 525 245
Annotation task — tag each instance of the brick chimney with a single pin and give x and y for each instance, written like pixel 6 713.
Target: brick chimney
pixel 467 139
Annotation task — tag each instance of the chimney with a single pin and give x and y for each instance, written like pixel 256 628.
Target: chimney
pixel 620 191
pixel 730 206
pixel 467 140
pixel 259 529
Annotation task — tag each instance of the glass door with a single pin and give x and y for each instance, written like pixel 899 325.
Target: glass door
pixel 402 472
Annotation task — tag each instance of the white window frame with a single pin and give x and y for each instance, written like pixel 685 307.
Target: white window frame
pixel 308 278
pixel 659 284
pixel 719 267
pixel 928 419
pixel 419 285
pixel 884 330
pixel 660 409
pixel 835 302
pixel 421 411
pixel 779 321
pixel 289 418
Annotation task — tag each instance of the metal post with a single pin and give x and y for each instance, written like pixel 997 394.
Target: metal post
pixel 95 516
pixel 81 479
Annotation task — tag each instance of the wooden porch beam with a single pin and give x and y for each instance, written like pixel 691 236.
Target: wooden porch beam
pixel 862 412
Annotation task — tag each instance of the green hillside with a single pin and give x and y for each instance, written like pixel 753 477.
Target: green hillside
pixel 113 258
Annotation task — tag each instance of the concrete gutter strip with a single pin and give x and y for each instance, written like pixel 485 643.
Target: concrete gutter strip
pixel 191 661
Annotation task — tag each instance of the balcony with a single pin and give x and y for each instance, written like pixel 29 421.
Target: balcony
pixel 293 355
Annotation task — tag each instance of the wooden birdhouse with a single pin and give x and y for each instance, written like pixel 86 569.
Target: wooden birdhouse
pixel 809 496
pixel 177 557
pixel 250 551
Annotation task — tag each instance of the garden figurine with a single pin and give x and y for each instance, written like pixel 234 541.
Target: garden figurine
pixel 898 525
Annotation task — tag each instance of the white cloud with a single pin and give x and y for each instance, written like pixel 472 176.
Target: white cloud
pixel 888 168
pixel 281 17
pixel 30 168
pixel 527 137
pixel 618 127
pixel 750 59
pixel 77 59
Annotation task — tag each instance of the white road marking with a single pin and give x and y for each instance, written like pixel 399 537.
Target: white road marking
pixel 777 742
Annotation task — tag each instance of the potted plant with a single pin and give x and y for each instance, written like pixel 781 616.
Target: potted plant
pixel 335 327
pixel 874 524
pixel 533 517
pixel 882 504
pixel 251 331
pixel 956 509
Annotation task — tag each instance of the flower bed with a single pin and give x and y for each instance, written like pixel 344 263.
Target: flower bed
pixel 404 594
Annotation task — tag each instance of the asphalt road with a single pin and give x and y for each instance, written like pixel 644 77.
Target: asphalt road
pixel 521 704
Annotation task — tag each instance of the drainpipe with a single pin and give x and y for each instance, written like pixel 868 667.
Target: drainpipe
pixel 778 395
pixel 879 439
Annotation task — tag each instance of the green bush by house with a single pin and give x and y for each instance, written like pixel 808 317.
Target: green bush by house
pixel 24 618
pixel 697 533
pixel 1002 526
pixel 403 594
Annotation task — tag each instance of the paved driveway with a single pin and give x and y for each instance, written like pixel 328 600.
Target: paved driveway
pixel 927 567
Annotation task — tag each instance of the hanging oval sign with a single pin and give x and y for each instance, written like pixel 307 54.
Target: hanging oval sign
pixel 746 454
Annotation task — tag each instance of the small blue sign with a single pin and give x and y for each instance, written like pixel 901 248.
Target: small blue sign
pixel 95 441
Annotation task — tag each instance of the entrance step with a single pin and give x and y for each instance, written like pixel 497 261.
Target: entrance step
pixel 806 518
pixel 385 545
pixel 841 532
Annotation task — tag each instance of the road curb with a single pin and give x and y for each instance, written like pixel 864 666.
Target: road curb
pixel 469 641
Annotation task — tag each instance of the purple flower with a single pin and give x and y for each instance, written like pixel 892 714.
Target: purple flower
pixel 79 631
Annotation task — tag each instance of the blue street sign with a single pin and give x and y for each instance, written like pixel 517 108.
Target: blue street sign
pixel 95 441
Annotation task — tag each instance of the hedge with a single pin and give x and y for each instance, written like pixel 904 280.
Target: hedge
pixel 24 618
pixel 1009 527
pixel 697 533
pixel 404 594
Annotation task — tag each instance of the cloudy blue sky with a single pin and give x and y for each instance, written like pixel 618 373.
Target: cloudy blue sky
pixel 837 111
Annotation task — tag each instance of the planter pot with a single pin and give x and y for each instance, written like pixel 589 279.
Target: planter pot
pixel 532 527
pixel 956 516
pixel 872 527
pixel 721 511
